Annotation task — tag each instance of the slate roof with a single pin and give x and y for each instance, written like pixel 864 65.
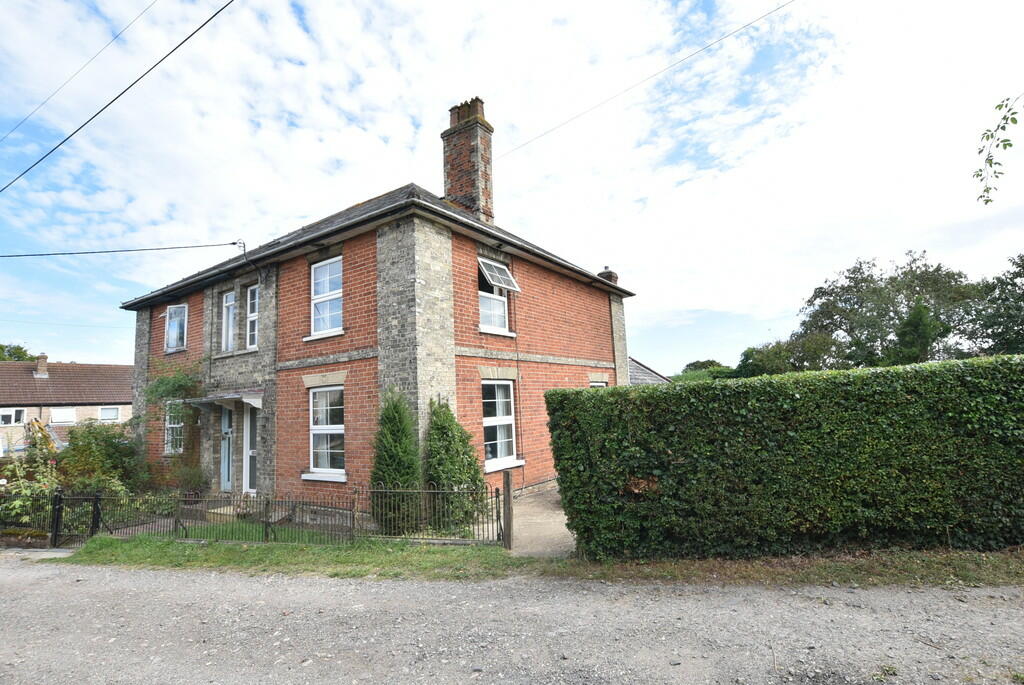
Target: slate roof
pixel 392 202
pixel 68 384
pixel 641 374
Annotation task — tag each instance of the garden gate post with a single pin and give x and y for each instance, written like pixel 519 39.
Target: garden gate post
pixel 94 524
pixel 56 517
pixel 506 503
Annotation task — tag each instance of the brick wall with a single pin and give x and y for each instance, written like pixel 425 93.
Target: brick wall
pixel 361 410
pixel 359 307
pixel 162 364
pixel 553 315
pixel 533 442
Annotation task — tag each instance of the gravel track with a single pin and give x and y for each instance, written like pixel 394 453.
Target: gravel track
pixel 108 625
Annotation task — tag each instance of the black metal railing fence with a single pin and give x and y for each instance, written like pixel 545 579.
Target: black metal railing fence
pixel 454 516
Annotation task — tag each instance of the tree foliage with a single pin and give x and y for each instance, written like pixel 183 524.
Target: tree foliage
pixel 915 336
pixel 15 353
pixel 701 365
pixel 993 140
pixel 998 324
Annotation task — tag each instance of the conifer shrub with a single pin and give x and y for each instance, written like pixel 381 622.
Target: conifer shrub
pixel 926 455
pixel 396 467
pixel 453 473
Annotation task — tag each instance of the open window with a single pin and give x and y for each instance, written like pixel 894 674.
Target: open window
pixel 494 282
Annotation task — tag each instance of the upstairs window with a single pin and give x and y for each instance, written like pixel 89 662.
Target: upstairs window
pixel 63 415
pixel 12 417
pixel 325 302
pixel 252 316
pixel 229 315
pixel 494 281
pixel 175 327
pixel 110 413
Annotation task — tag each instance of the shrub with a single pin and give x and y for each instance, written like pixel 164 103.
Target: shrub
pixel 100 453
pixel 452 465
pixel 396 466
pixel 922 455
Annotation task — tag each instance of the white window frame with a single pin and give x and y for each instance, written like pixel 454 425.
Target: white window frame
pixel 117 415
pixel 74 416
pixel 500 294
pixel 501 463
pixel 314 299
pixel 514 286
pixel 599 384
pixel 184 328
pixel 169 447
pixel 228 321
pixel 13 413
pixel 252 317
pixel 318 473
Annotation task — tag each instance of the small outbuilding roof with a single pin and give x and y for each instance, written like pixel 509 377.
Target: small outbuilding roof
pixel 641 374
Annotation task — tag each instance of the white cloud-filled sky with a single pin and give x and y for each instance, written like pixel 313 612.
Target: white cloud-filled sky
pixel 722 192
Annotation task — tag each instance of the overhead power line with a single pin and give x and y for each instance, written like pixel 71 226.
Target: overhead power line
pixel 116 97
pixel 70 78
pixel 639 83
pixel 132 249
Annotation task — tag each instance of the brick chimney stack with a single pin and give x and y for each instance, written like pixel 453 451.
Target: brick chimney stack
pixel 467 160
pixel 41 371
pixel 608 275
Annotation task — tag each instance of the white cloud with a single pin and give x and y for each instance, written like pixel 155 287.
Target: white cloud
pixel 854 137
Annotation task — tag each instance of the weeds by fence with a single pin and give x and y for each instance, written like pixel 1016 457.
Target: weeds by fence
pixel 443 516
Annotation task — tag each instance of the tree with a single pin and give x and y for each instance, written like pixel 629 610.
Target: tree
pixel 861 309
pixel 15 353
pixel 453 471
pixel 770 358
pixel 396 466
pixel 998 325
pixel 992 140
pixel 915 336
pixel 701 365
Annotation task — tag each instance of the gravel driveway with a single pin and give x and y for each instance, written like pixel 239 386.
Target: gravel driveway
pixel 106 625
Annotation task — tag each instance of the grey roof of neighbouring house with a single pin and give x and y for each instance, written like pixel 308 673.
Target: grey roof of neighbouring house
pixel 397 200
pixel 641 374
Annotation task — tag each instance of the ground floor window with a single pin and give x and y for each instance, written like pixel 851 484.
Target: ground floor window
pixel 499 422
pixel 327 429
pixel 174 428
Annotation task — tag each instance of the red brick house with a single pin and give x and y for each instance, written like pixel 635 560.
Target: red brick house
pixel 295 341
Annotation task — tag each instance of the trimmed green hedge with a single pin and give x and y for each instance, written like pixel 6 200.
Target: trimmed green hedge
pixel 922 455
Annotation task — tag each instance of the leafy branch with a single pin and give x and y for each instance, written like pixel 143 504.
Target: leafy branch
pixel 992 140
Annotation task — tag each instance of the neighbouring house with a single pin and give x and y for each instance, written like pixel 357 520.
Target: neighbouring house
pixel 295 341
pixel 641 374
pixel 60 395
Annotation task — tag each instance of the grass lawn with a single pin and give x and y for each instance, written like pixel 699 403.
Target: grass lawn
pixel 247 531
pixel 380 559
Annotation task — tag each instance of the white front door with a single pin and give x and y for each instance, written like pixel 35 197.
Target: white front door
pixel 226 420
pixel 250 473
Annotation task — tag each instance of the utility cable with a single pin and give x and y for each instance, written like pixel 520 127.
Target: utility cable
pixel 116 97
pixel 80 69
pixel 134 249
pixel 639 83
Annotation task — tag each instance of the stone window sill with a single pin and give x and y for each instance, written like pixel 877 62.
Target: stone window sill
pixel 497 331
pixel 234 353
pixel 492 465
pixel 175 350
pixel 340 477
pixel 321 336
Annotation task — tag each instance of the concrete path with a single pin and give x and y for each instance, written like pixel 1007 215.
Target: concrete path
pixel 539 526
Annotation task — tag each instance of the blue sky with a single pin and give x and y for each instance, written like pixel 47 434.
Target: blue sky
pixel 721 192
